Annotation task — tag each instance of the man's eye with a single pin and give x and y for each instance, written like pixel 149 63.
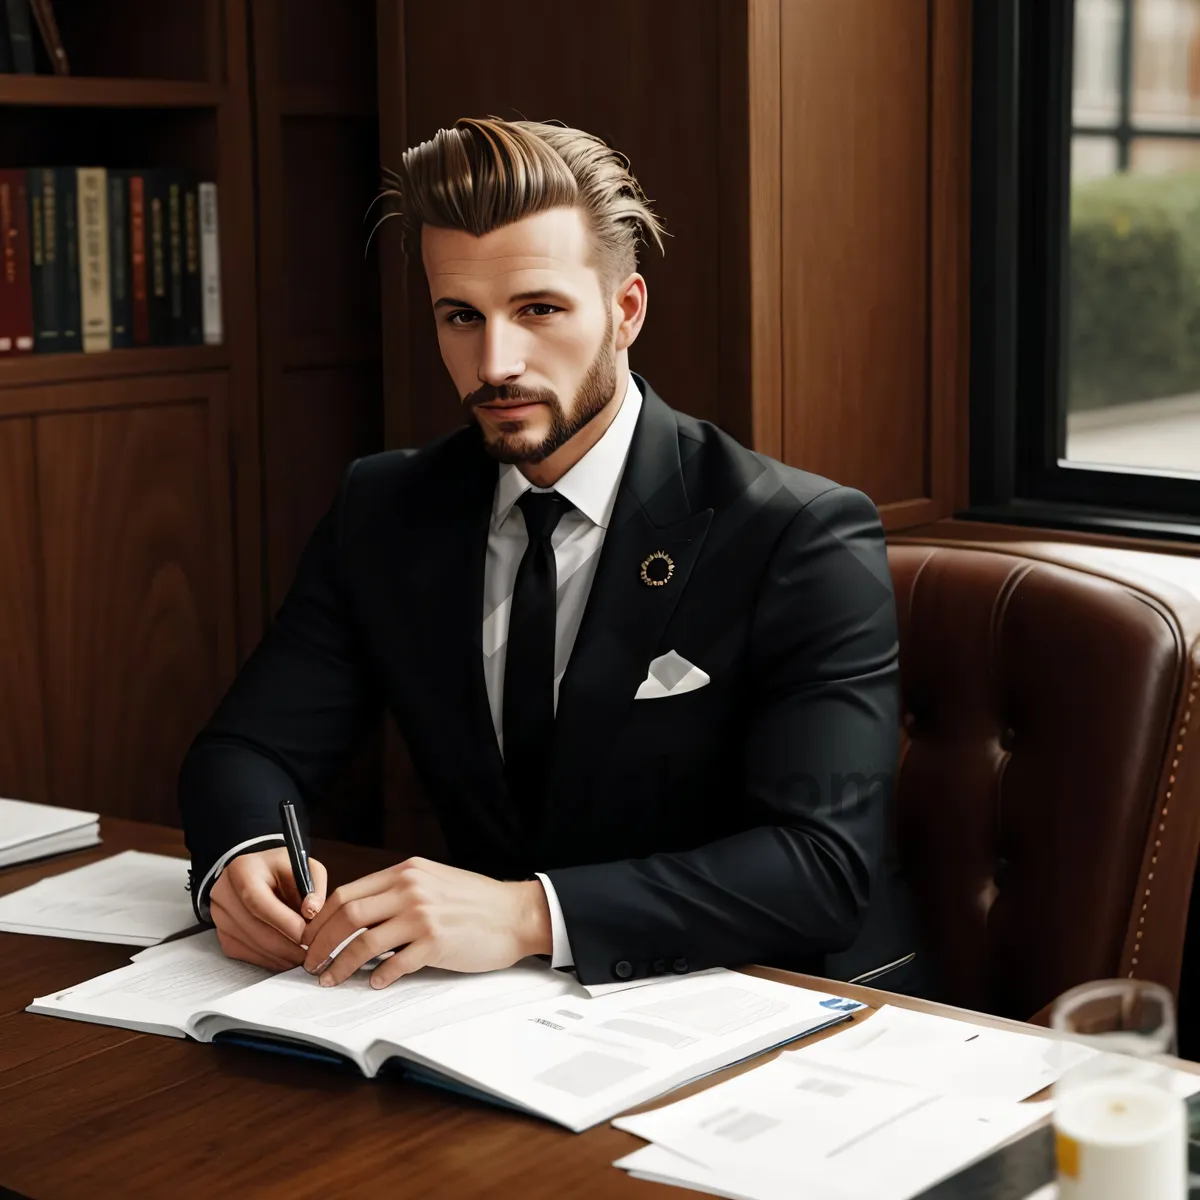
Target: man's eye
pixel 550 308
pixel 452 319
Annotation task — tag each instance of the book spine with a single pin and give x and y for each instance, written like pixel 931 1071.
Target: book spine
pixel 210 265
pixel 43 14
pixel 6 59
pixel 95 307
pixel 119 295
pixel 44 251
pixel 68 260
pixel 175 280
pixel 157 260
pixel 20 36
pixel 193 320
pixel 139 285
pixel 16 295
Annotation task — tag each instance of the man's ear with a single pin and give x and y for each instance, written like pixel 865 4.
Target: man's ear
pixel 631 300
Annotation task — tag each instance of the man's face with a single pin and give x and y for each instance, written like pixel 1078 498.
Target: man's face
pixel 524 330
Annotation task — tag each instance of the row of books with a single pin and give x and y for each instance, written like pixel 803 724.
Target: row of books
pixel 97 259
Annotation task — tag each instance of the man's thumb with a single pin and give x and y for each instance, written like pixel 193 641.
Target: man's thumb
pixel 316 898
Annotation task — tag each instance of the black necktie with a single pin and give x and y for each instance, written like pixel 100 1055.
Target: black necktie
pixel 528 713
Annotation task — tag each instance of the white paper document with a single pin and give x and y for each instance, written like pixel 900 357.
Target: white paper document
pixel 798 1127
pixel 132 897
pixel 949 1056
pixel 160 989
pixel 30 831
pixel 579 1063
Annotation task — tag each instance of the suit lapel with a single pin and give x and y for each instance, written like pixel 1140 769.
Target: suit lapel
pixel 624 620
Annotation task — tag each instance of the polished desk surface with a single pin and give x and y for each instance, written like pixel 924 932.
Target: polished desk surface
pixel 96 1111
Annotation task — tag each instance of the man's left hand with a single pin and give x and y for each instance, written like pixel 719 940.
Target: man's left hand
pixel 439 916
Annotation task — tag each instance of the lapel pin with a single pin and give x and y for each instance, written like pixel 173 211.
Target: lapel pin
pixel 657 568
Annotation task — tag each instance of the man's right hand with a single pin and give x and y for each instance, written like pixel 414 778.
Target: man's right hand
pixel 256 908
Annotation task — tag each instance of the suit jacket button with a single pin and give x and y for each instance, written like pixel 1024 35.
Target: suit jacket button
pixel 680 966
pixel 622 970
pixel 660 966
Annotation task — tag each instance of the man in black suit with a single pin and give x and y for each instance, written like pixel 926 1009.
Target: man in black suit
pixel 648 677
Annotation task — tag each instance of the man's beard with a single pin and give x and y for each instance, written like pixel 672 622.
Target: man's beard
pixel 512 445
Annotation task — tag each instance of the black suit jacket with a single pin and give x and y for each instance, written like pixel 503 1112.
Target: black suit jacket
pixel 745 821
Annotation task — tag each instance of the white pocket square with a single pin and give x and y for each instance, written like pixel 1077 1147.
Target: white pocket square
pixel 670 675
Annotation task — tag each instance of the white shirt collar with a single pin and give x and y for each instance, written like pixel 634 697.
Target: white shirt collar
pixel 591 484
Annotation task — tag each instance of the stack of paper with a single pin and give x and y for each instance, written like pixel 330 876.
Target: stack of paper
pixel 134 898
pixel 792 1128
pixel 29 831
pixel 881 1111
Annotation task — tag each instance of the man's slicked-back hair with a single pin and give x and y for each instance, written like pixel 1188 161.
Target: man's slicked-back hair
pixel 483 174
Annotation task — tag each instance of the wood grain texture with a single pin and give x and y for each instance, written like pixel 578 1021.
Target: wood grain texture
pixel 329 176
pixel 333 417
pixel 328 47
pixel 764 250
pixel 22 743
pixel 855 98
pixel 320 325
pixel 317 171
pixel 91 1110
pixel 646 79
pixel 398 406
pixel 228 33
pixel 135 536
pixel 949 254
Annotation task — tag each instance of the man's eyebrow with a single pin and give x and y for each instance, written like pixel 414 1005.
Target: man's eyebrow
pixel 537 294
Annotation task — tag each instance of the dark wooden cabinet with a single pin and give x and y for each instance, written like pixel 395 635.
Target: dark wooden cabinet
pixel 119 605
pixel 130 545
pixel 154 501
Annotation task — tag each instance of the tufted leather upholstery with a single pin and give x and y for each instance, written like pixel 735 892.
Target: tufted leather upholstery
pixel 1048 796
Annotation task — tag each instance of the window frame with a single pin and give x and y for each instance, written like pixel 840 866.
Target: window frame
pixel 1021 130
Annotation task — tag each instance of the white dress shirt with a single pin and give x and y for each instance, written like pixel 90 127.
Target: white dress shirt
pixel 591 487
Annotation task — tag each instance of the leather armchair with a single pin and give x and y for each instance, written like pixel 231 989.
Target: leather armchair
pixel 1048 794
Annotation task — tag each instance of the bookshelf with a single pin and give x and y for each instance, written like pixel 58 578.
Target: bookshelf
pixel 131 580
pixel 154 500
pixel 70 92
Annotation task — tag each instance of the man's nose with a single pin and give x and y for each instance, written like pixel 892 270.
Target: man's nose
pixel 501 362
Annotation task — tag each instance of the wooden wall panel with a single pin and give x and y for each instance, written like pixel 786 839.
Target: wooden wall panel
pixel 317 173
pixel 646 78
pixel 22 748
pixel 334 418
pixel 330 175
pixel 327 48
pixel 136 549
pixel 855 103
pixel 319 327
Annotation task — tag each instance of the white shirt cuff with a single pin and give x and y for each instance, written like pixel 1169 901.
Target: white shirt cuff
pixel 214 872
pixel 561 955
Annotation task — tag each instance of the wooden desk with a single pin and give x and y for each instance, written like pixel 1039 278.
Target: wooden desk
pixel 93 1111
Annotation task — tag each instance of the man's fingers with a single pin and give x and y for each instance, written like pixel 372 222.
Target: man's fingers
pixel 412 958
pixel 367 945
pixel 259 899
pixel 236 947
pixel 316 898
pixel 245 926
pixel 373 914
